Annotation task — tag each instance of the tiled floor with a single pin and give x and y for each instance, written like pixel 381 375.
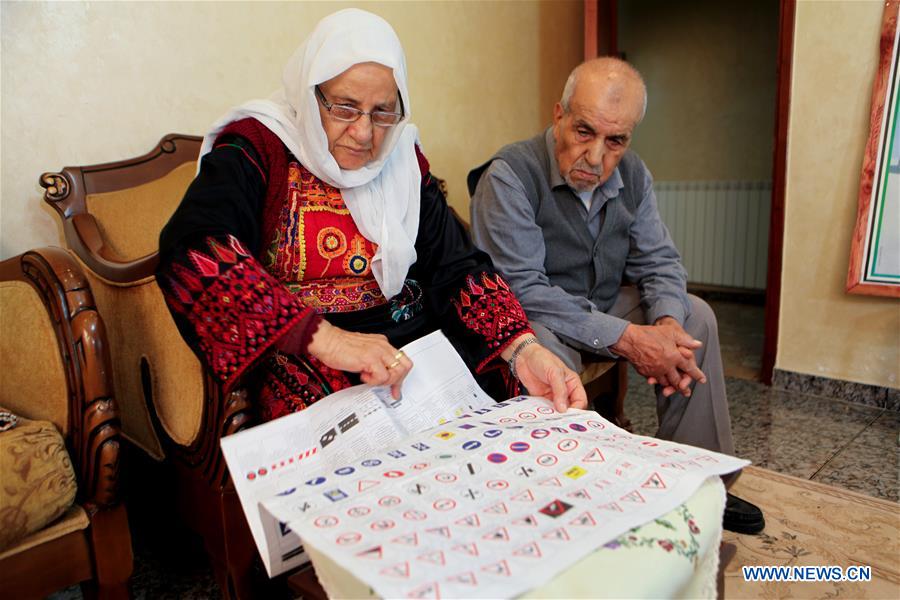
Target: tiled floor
pixel 740 337
pixel 813 437
pixel 823 439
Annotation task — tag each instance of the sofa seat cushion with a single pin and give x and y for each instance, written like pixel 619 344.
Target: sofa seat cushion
pixel 38 483
pixel 74 519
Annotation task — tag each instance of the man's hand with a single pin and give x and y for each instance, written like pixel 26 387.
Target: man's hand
pixel 544 374
pixel 663 353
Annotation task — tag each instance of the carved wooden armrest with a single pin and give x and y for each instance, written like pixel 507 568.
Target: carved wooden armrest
pixel 63 192
pixel 67 192
pixel 94 427
pixel 86 240
pixel 223 414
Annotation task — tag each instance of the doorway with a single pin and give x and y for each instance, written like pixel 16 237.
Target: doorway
pixel 717 75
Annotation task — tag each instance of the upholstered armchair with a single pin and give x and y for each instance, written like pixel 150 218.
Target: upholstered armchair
pixel 112 215
pixel 61 518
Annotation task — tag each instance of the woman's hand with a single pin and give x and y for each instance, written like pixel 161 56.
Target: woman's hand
pixel 544 374
pixel 370 355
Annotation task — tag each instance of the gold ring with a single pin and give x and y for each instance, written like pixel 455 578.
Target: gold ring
pixel 393 364
pixel 399 355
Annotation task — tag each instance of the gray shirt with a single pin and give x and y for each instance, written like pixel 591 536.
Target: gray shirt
pixel 653 262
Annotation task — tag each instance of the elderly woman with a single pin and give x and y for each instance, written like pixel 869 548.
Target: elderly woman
pixel 314 241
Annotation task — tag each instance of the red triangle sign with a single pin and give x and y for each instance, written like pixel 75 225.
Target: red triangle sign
pixel 435 558
pixel 375 552
pixel 429 590
pixel 525 496
pixel 634 496
pixel 442 531
pixel 581 494
pixel 654 482
pixel 469 521
pixel 530 521
pixel 498 568
pixel 531 550
pixel 553 481
pixel 594 456
pixel 466 578
pixel 398 570
pixel 497 509
pixel 585 519
pixel 611 506
pixel 560 535
pixel 498 535
pixel 411 539
pixel 364 485
pixel 470 549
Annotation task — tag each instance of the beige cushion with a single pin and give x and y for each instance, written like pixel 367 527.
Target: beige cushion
pixel 75 519
pixel 38 483
pixel 140 328
pixel 131 219
pixel 32 378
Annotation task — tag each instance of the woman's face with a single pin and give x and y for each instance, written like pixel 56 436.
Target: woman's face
pixel 367 87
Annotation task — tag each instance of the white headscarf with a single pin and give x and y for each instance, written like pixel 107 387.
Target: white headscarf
pixel 383 196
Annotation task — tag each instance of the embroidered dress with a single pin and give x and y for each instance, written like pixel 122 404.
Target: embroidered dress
pixel 260 250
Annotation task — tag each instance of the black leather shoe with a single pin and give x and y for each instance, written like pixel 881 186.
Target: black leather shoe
pixel 741 516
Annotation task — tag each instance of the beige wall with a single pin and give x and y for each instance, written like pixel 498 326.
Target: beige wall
pixel 825 331
pixel 92 82
pixel 709 66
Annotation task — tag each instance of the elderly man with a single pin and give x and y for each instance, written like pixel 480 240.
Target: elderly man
pixel 570 215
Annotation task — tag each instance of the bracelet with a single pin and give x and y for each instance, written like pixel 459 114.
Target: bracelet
pixel 7 420
pixel 512 359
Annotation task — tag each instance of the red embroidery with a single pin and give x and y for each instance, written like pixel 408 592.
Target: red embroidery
pixel 492 311
pixel 317 246
pixel 292 383
pixel 316 236
pixel 338 294
pixel 241 312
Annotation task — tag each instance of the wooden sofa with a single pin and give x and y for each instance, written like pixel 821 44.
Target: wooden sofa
pixel 56 374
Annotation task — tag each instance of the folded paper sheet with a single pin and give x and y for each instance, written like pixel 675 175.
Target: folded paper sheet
pixel 492 503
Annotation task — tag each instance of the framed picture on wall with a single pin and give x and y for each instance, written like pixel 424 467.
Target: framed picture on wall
pixel 875 249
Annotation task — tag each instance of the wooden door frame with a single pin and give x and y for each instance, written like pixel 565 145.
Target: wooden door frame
pixel 787 10
pixel 600 38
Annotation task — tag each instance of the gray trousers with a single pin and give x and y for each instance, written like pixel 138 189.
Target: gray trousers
pixel 701 420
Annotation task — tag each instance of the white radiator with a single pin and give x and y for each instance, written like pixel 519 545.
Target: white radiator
pixel 721 229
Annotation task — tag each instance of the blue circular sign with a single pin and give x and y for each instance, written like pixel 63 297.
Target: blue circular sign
pixel 316 481
pixel 519 446
pixel 471 445
pixel 496 457
pixel 371 462
pixel 344 471
pixel 577 427
pixel 492 433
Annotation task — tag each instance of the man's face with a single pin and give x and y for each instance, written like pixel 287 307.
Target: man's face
pixel 594 134
pixel 368 87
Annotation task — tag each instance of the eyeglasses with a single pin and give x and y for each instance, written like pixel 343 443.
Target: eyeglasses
pixel 349 114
